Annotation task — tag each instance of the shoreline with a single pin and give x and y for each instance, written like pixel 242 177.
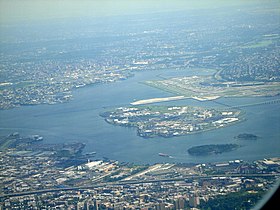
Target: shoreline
pixel 157 100
pixel 193 132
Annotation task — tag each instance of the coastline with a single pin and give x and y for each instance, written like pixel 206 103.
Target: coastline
pixel 158 100
pixel 191 133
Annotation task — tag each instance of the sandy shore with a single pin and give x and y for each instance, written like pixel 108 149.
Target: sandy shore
pixel 156 100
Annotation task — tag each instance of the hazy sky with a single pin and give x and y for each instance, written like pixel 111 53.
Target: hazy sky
pixel 30 10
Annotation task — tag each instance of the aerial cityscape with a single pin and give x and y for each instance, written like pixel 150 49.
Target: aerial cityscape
pixel 175 106
pixel 61 177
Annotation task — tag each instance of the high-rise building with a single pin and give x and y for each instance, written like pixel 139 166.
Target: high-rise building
pixel 96 205
pixel 194 201
pixel 80 205
pixel 90 205
pixel 179 203
pixel 160 206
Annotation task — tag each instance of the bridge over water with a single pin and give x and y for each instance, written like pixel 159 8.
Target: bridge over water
pixel 275 101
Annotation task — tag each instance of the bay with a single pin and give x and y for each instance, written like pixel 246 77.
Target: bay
pixel 79 121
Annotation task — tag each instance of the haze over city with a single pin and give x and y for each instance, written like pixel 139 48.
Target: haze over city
pixel 139 104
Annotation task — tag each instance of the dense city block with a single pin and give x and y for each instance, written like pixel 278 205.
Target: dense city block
pixel 39 180
pixel 243 47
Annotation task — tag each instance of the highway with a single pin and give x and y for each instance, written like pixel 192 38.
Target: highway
pixel 126 182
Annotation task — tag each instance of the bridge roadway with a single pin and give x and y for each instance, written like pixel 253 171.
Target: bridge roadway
pixel 276 101
pixel 117 183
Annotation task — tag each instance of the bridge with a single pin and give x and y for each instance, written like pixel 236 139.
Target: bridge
pixel 275 101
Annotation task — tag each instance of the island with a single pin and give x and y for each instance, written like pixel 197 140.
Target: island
pixel 170 121
pixel 246 136
pixel 211 149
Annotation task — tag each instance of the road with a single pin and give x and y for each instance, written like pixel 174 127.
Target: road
pixel 125 182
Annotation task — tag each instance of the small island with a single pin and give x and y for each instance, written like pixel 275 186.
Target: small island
pixel 246 136
pixel 211 149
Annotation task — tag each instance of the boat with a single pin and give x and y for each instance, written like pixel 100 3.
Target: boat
pixel 91 153
pixel 163 155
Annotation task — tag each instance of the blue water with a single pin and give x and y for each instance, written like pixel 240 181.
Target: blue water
pixel 79 120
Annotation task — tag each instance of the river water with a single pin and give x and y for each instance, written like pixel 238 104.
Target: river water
pixel 79 120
